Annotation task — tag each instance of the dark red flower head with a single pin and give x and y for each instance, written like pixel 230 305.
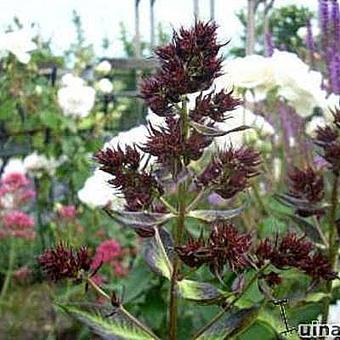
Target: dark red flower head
pixel 228 247
pixel 230 171
pixel 168 144
pixel 138 186
pixel 214 106
pixel 328 138
pixel 189 63
pixel 63 262
pixel 308 186
pixel 225 246
pixel 295 251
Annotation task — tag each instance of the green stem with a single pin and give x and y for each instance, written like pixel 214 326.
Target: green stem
pixel 332 242
pixel 9 270
pixel 259 200
pixel 168 205
pixel 232 303
pixel 179 230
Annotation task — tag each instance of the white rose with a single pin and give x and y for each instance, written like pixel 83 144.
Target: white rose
pixel 242 116
pixel 37 164
pixel 18 43
pixel 103 67
pixel 249 72
pixel 104 85
pixel 97 192
pixel 75 98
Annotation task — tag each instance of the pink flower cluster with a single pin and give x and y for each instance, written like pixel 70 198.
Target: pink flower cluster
pixel 109 251
pixel 67 211
pixel 15 191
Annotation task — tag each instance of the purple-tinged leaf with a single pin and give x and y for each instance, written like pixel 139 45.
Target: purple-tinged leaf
pixel 212 215
pixel 201 292
pixel 157 251
pixel 295 202
pixel 231 324
pixel 215 132
pixel 139 219
pixel 238 284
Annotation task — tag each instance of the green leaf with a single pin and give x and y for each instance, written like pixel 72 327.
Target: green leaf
pixel 231 324
pixel 201 292
pixel 308 228
pixel 212 215
pixel 139 219
pixel 50 119
pixel 118 326
pixel 156 254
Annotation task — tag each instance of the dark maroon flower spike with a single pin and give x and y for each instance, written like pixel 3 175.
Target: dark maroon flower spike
pixel 228 247
pixel 328 138
pixel 188 64
pixel 63 262
pixel 213 106
pixel 308 186
pixel 295 251
pixel 138 187
pixel 230 171
pixel 224 247
pixel 169 146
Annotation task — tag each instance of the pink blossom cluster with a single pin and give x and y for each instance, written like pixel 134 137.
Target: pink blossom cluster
pixel 67 211
pixel 109 251
pixel 15 191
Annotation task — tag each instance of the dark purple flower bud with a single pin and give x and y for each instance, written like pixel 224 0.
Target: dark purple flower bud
pixel 228 247
pixel 214 106
pixel 273 279
pixel 306 184
pixel 63 262
pixel 230 171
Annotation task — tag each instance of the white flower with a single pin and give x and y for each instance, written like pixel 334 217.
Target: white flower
pixel 302 31
pixel 75 98
pixel 97 192
pixel 18 43
pixel 296 83
pixel 242 116
pixel 103 67
pixel 14 165
pixel 37 164
pixel 313 124
pixel 104 85
pixel 249 72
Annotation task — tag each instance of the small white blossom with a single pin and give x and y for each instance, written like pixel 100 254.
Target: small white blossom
pixel 19 43
pixel 103 67
pixel 104 85
pixel 97 192
pixel 39 164
pixel 75 98
pixel 14 165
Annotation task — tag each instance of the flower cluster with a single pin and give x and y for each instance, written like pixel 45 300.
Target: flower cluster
pixel 111 252
pixel 308 186
pixel 295 251
pixel 229 172
pixel 213 106
pixel 168 144
pixel 139 187
pixel 225 246
pixel 328 138
pixel 63 262
pixel 15 191
pixel 188 64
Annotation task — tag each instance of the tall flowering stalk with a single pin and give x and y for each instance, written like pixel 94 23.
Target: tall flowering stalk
pixel 162 185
